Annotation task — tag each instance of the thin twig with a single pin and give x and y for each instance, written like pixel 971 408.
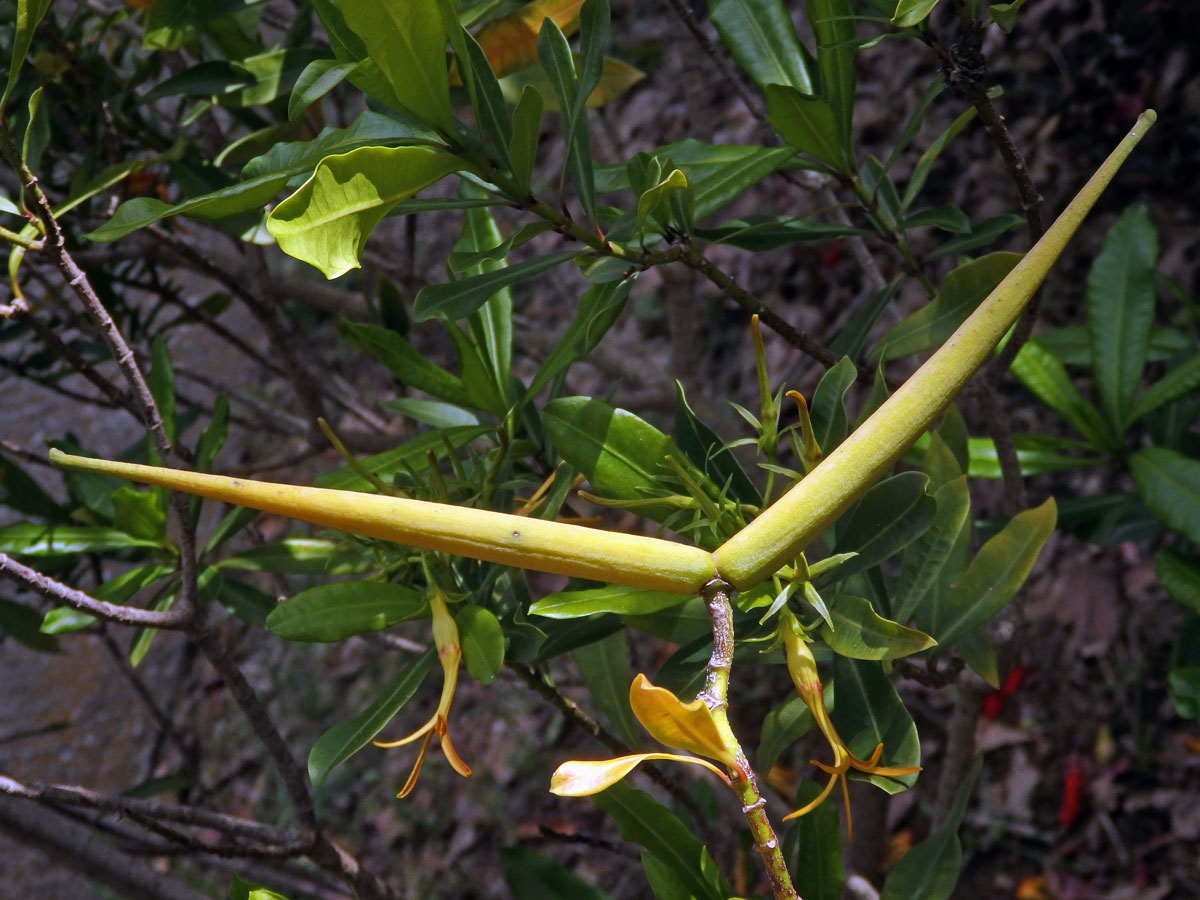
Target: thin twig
pixel 174 620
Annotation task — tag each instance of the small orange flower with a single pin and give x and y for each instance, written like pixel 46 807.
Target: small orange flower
pixel 802 666
pixel 445 638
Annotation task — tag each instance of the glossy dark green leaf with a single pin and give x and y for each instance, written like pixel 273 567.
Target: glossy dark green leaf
pixel 1180 575
pixel 947 218
pixel 828 406
pixel 614 598
pixel 490 325
pixel 853 337
pixel 212 438
pixel 212 78
pixel 1184 682
pixel 925 557
pixel 861 633
pixel 1120 292
pixel 1169 483
pixel 1048 380
pixel 781 728
pixel 813 847
pixel 920 173
pixel 706 449
pixel 930 869
pixel 245 601
pixel 804 121
pixel 559 65
pixel 621 454
pixel 761 38
pixel 993 577
pixel 604 667
pixel 169 23
pixel 769 232
pixel 433 412
pixel 31 539
pixel 302 556
pixel 1005 14
pixel 29 14
pixel 332 612
pixel 327 221
pixel 563 637
pixel 643 821
pixel 963 289
pixel 492 119
pixel 21 493
pixel 869 712
pixel 890 516
pixel 532 876
pixel 833 23
pixel 679 624
pixel 981 235
pixel 526 127
pixel 459 299
pixel 23 625
pixel 482 642
pixel 407 363
pixel 597 311
pixel 712 190
pixel 342 741
pixel 1180 381
pixel 318 78
pixel 1036 455
pixel 1071 345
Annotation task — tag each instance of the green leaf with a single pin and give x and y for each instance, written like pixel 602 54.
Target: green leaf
pixel 531 876
pixel 761 38
pixel 869 712
pixel 643 821
pixel 828 407
pixel 1184 682
pixel 143 637
pixel 407 363
pixel 706 449
pixel 318 78
pixel 246 602
pixel 891 515
pixel 621 454
pixel 140 514
pixel 31 539
pixel 711 190
pixel 814 847
pixel 213 78
pixel 410 456
pixel 769 232
pixel 23 625
pixel 993 577
pixel 482 642
pixel 604 667
pixel 851 339
pixel 407 43
pixel 912 12
pixel 1181 381
pixel 1005 14
pixel 302 556
pixel 833 23
pixel 526 126
pixel 781 728
pixel 459 299
pixel 980 235
pixel 327 221
pixel 490 325
pixel 29 16
pixel 342 741
pixel 1169 483
pixel 861 633
pixel 568 86
pixel 947 218
pixel 930 869
pixel 1120 292
pixel 241 197
pixel 433 412
pixel 925 557
pixel 804 121
pixel 596 312
pixel 21 493
pixel 1180 575
pixel 169 23
pixel 1048 380
pixel 963 289
pixel 652 198
pixel 332 612
pixel 615 598
pixel 161 380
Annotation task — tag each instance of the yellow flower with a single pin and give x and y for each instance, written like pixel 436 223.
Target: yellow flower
pixel 445 638
pixel 803 669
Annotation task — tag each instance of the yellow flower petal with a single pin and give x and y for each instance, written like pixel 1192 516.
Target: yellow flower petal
pixel 580 778
pixel 416 769
pixel 670 721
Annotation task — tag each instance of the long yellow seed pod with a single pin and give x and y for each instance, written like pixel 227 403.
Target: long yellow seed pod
pixel 555 547
pixel 803 513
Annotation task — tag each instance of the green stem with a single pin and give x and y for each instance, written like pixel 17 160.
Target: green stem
pixel 743 781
